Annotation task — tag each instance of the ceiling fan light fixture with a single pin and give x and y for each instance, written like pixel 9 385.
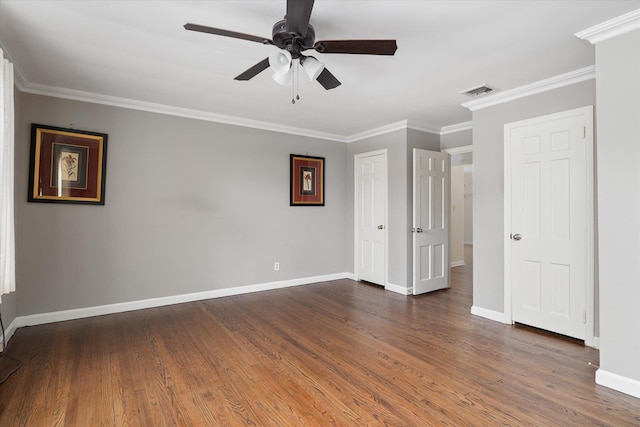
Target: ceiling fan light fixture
pixel 312 67
pixel 284 79
pixel 280 61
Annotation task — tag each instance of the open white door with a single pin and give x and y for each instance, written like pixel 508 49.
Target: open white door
pixel 370 213
pixel 430 221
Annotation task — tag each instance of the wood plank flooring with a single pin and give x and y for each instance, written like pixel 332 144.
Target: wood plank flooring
pixel 336 353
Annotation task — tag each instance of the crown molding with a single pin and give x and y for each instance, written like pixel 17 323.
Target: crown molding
pixel 422 128
pixel 132 104
pixel 18 77
pixel 459 127
pixel 566 79
pixel 150 107
pixel 403 124
pixel 459 150
pixel 611 28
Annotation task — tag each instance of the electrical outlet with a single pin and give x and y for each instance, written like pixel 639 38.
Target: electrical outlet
pixel 276 266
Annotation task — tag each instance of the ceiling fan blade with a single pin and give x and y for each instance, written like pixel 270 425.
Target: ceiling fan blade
pixel 227 33
pixel 328 80
pixel 361 47
pixel 298 16
pixel 255 70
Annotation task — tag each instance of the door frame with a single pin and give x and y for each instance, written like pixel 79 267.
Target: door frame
pixel 458 154
pixel 356 236
pixel 590 229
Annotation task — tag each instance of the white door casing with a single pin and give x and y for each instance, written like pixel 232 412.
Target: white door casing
pixel 549 223
pixel 430 221
pixel 371 217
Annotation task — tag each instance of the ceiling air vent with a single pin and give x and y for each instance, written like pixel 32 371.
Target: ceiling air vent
pixel 478 91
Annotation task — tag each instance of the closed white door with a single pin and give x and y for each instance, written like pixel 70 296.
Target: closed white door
pixel 549 214
pixel 370 212
pixel 430 221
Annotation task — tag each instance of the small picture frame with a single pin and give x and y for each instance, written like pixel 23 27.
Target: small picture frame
pixel 306 180
pixel 67 165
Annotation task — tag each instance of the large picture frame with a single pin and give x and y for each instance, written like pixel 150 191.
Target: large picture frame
pixel 306 180
pixel 67 165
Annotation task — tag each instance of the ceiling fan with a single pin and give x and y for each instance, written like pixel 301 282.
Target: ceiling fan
pixel 294 35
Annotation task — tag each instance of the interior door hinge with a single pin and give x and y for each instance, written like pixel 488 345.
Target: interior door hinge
pixel 584 132
pixel 584 316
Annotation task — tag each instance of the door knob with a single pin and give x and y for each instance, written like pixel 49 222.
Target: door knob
pixel 380 227
pixel 517 236
pixel 418 230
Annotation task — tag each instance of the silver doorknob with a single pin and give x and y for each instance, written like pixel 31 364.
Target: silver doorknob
pixel 517 236
pixel 380 227
pixel 418 230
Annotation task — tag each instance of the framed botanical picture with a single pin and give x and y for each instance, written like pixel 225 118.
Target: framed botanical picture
pixel 67 165
pixel 307 181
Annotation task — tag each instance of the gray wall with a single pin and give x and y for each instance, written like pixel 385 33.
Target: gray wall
pixel 456 215
pixel 422 140
pixel 618 111
pixel 488 182
pixel 456 139
pixel 190 206
pixel 468 204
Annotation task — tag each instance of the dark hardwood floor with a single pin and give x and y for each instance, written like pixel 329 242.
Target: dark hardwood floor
pixel 334 353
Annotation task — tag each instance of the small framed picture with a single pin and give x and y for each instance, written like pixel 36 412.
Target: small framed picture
pixel 306 181
pixel 67 165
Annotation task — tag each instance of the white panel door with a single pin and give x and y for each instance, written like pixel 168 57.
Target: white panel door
pixel 370 211
pixel 430 221
pixel 549 217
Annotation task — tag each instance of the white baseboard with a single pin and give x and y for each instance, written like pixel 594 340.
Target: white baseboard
pixel 596 342
pixel 457 264
pixel 618 382
pixel 60 316
pixel 496 316
pixel 398 289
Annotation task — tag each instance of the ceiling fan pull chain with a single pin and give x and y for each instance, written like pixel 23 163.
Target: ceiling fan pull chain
pixel 293 83
pixel 297 81
pixel 294 86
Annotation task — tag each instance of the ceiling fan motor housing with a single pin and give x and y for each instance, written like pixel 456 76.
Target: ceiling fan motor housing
pixel 292 42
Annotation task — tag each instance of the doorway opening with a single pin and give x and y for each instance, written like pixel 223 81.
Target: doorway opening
pixel 461 207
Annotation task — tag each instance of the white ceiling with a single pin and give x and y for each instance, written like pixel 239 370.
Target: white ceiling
pixel 138 52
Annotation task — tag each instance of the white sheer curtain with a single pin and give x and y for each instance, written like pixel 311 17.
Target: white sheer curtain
pixel 7 234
